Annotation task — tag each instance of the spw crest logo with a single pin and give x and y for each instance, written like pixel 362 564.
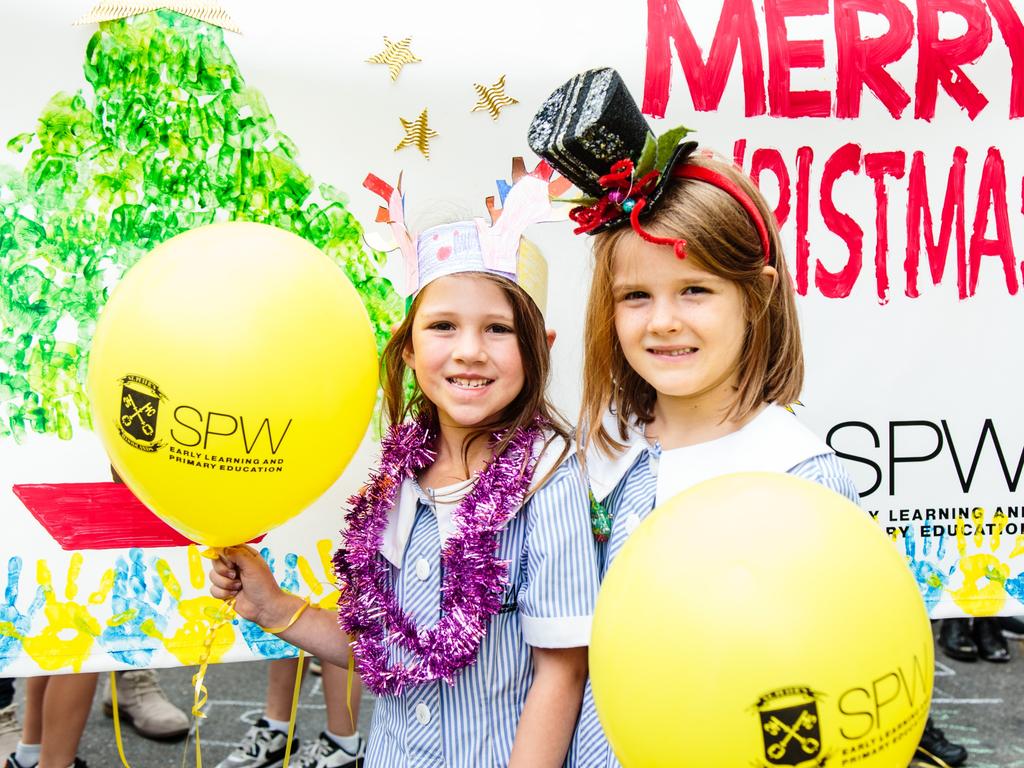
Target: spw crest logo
pixel 140 407
pixel 791 728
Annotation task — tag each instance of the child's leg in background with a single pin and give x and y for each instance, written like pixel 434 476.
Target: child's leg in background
pixel 335 682
pixel 56 710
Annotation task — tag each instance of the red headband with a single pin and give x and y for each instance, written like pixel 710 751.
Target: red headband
pixel 699 172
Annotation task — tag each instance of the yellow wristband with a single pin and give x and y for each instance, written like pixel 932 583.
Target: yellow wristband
pixel 294 618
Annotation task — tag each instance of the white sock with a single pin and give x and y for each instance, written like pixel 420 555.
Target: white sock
pixel 277 725
pixel 27 754
pixel 349 743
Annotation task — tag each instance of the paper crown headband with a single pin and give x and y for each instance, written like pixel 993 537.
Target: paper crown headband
pixel 592 131
pixel 496 247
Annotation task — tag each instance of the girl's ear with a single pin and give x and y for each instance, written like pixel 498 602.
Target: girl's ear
pixel 408 356
pixel 771 277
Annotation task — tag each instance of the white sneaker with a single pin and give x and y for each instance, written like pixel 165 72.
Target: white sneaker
pixel 261 747
pixel 10 730
pixel 142 702
pixel 324 753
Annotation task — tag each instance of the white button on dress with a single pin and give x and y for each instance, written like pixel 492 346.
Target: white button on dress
pixel 423 569
pixel 422 713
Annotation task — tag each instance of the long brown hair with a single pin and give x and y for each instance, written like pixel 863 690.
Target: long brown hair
pixel 531 401
pixel 721 239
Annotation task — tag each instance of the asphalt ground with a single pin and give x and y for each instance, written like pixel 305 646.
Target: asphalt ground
pixel 978 704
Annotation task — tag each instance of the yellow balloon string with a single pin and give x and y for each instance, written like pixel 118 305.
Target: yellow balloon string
pixel 348 686
pixel 200 694
pixel 117 720
pixel 295 617
pixel 295 707
pixel 298 676
pixel 938 761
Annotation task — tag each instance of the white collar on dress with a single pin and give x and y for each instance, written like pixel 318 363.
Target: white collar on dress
pixel 604 472
pixel 773 441
pixel 402 515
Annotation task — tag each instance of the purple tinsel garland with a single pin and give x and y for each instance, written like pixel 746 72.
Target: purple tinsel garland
pixel 474 577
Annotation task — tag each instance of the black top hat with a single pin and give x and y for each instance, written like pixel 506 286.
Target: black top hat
pixel 586 129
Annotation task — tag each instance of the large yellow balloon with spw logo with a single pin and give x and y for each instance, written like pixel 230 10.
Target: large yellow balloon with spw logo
pixel 761 620
pixel 232 376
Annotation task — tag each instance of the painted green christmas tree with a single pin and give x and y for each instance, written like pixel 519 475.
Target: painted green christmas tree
pixel 169 137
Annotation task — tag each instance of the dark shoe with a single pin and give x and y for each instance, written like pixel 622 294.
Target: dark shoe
pixel 12 763
pixel 1012 626
pixel 956 640
pixel 991 643
pixel 261 747
pixel 10 729
pixel 324 753
pixel 934 744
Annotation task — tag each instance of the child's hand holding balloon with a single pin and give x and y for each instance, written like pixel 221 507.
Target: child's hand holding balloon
pixel 239 573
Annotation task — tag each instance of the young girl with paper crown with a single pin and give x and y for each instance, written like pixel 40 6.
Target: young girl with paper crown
pixel 467 570
pixel 692 348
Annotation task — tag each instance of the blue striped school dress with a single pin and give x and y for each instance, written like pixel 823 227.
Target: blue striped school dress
pixel 633 483
pixel 548 603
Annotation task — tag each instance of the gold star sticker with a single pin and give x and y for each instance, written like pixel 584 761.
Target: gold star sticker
pixel 418 134
pixel 492 99
pixel 204 10
pixel 395 55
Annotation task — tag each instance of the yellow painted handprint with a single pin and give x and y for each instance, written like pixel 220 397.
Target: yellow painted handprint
pixel 206 633
pixel 70 629
pixel 986 577
pixel 325 598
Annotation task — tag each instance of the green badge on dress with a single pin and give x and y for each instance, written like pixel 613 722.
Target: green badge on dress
pixel 600 519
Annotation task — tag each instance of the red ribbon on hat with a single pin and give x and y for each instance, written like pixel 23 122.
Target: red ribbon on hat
pixel 626 196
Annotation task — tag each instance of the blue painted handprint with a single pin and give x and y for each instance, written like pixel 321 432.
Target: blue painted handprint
pixel 1015 588
pixel 139 598
pixel 14 624
pixel 261 642
pixel 929 572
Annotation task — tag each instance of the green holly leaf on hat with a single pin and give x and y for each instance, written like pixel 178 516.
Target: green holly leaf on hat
pixel 667 144
pixel 575 201
pixel 648 157
pixel 658 151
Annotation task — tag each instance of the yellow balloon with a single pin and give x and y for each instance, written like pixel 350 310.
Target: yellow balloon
pixel 758 619
pixel 232 376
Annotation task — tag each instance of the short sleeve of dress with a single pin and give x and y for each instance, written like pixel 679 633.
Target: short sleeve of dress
pixel 557 596
pixel 827 469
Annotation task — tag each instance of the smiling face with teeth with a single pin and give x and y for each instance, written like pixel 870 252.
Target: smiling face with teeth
pixel 465 350
pixel 680 327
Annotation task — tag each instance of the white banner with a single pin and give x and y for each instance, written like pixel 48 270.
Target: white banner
pixel 885 137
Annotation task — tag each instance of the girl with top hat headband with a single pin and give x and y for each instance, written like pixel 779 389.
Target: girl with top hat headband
pixel 467 570
pixel 692 346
